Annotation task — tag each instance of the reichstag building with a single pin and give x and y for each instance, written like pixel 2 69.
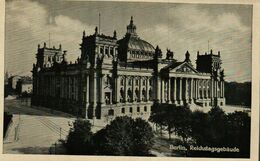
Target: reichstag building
pixel 116 77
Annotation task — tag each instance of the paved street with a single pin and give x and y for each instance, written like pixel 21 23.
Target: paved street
pixel 33 131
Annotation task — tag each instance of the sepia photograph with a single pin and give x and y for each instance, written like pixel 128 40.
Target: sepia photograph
pixel 114 78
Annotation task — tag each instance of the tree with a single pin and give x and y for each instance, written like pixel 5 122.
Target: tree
pixel 218 122
pixel 124 136
pixel 238 133
pixel 182 123
pixel 238 93
pixel 79 140
pixel 143 137
pixel 158 115
pixel 200 127
pixel 217 129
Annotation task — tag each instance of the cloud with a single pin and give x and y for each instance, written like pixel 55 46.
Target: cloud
pixel 190 28
pixel 181 28
pixel 29 23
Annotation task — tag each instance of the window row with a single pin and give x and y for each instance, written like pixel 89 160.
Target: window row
pixel 136 96
pixel 131 109
pixel 107 50
pixel 130 82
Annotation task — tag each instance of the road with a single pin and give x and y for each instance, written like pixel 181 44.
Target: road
pixel 33 130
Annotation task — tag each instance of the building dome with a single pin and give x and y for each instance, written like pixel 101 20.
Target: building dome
pixel 131 47
pixel 137 44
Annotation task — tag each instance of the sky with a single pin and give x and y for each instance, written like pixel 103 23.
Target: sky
pixel 179 27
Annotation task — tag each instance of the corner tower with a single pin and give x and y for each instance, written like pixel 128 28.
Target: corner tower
pixel 211 63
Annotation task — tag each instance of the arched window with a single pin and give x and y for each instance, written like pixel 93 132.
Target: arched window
pixel 111 51
pixel 129 95
pixel 106 50
pixel 129 82
pixel 150 82
pixel 143 82
pixel 136 82
pixel 121 95
pixel 122 82
pixel 101 50
pixel 138 109
pixel 143 94
pixel 150 94
pixel 136 94
pixel 131 110
pixel 123 110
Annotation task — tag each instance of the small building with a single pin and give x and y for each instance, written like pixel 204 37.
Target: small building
pixel 12 81
pixel 24 85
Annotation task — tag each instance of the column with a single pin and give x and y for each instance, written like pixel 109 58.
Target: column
pixel 140 89
pixel 220 89
pixel 133 88
pixel 158 89
pixel 198 89
pixel 195 89
pixel 207 93
pixel 69 85
pixel 216 89
pixel 223 89
pixel 169 90
pixel 180 91
pixel 147 89
pixel 118 78
pixel 212 88
pixel 125 90
pixel 114 51
pixel 212 92
pixel 101 85
pixel 175 91
pixel 186 90
pixel 162 91
pixel 191 89
pixel 87 91
pixel 94 94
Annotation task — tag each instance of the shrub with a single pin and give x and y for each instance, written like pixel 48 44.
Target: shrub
pixel 79 140
pixel 124 136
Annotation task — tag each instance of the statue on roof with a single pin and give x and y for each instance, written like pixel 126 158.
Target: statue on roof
pixel 169 54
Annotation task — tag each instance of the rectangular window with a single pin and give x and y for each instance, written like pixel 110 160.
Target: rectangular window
pixel 111 112
pixel 136 82
pixel 111 51
pixel 150 82
pixel 138 109
pixel 123 110
pixel 101 50
pixel 131 110
pixel 106 51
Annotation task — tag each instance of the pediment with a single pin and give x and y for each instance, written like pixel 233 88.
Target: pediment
pixel 184 68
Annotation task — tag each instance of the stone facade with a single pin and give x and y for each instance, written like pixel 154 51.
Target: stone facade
pixel 123 77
